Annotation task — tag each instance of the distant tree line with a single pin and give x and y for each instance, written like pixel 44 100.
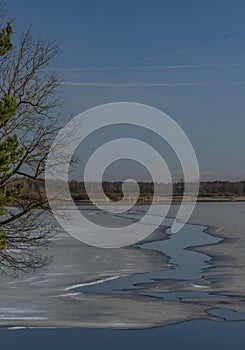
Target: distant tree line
pixel 207 188
pixel 34 189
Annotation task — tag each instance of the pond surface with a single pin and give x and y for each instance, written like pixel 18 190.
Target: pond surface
pixel 184 264
pixel 166 285
pixel 201 335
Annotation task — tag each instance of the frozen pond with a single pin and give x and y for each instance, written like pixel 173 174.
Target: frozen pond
pixel 179 282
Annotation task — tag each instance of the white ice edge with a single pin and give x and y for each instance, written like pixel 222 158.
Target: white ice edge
pixel 94 282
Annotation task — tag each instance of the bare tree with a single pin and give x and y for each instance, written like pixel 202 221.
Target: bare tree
pixel 26 81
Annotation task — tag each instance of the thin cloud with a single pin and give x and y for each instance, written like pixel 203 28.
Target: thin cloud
pixel 152 67
pixel 147 84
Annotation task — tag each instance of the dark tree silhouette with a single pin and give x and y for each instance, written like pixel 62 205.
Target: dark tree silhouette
pixel 28 102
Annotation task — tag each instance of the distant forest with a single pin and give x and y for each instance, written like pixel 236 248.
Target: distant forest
pixel 113 190
pixel 207 189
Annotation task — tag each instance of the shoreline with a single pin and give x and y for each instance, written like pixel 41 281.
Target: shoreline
pixel 61 307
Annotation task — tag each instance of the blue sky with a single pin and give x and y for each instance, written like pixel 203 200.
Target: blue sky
pixel 186 58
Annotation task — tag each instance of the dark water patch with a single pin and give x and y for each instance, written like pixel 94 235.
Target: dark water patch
pixel 201 335
pixel 184 264
pixel 227 314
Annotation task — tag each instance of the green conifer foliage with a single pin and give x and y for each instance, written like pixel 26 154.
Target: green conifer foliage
pixel 9 145
pixel 5 39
